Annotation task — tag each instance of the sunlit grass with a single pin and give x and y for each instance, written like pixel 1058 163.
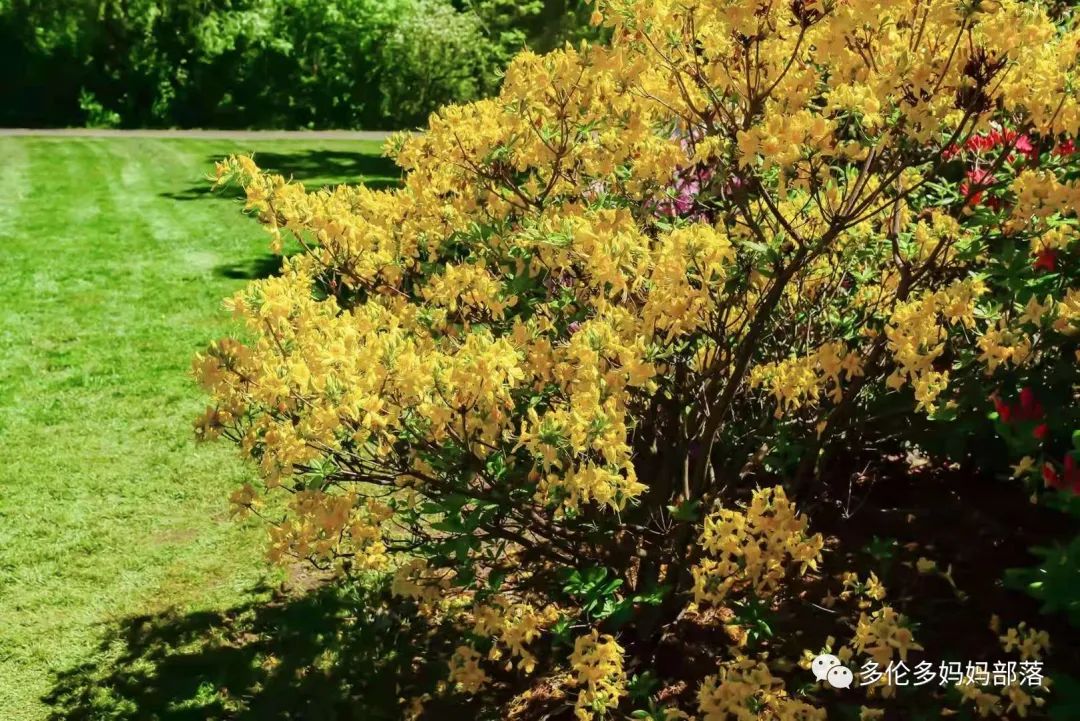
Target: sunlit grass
pixel 113 263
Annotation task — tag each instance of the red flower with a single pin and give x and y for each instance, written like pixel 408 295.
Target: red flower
pixel 1068 147
pixel 981 142
pixel 1050 476
pixel 1068 478
pixel 1027 399
pixel 999 139
pixel 1040 431
pixel 1003 410
pixel 1028 408
pixel 975 199
pixel 1045 260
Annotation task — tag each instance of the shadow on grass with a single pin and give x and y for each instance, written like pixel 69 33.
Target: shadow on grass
pixel 331 654
pixel 264 266
pixel 314 168
pixel 332 166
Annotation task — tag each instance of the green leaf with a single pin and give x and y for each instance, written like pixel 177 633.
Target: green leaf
pixel 686 511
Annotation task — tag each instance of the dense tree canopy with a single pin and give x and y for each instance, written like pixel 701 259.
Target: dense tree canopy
pixel 260 63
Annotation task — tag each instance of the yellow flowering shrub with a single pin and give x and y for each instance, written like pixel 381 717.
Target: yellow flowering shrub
pixel 649 276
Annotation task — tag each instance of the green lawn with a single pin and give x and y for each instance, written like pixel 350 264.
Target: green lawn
pixel 113 263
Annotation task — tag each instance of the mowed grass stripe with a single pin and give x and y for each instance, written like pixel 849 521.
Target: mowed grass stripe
pixel 114 264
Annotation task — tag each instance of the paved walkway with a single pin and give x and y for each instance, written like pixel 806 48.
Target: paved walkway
pixel 205 134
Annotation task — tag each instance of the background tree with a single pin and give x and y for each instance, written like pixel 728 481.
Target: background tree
pixel 237 63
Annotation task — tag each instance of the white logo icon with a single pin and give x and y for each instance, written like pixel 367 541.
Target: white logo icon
pixel 840 677
pixel 826 667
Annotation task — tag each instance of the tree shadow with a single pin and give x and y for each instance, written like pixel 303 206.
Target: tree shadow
pixel 333 653
pixel 206 191
pixel 334 166
pixel 264 266
pixel 314 168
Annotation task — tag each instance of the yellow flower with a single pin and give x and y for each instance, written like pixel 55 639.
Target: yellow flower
pixel 1035 312
pixel 1023 467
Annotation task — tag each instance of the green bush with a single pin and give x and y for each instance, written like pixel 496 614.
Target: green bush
pixel 432 56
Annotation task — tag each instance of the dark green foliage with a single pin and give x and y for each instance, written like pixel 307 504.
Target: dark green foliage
pixel 1055 579
pixel 261 63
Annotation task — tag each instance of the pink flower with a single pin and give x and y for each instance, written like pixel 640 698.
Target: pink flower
pixel 1023 144
pixel 977 181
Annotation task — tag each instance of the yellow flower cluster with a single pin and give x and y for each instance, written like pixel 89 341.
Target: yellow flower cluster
pixel 333 528
pixel 1030 643
pixel 690 267
pixel 916 335
pixel 938 237
pixel 1067 319
pixel 469 289
pixel 883 634
pixel 1001 344
pixel 989 701
pixel 523 253
pixel 745 690
pixel 416 580
pixel 512 625
pixel 753 549
pixel 1039 196
pixel 870 590
pixel 844 653
pixel 796 382
pixel 597 662
pixel 465 671
pixel 782 140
